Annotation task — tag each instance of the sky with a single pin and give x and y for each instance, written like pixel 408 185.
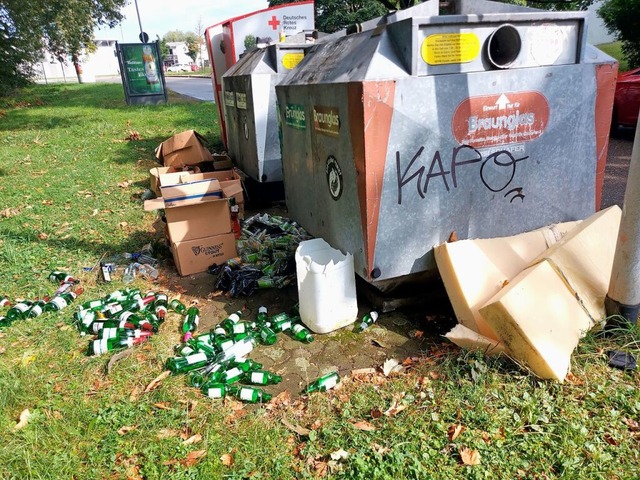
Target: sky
pixel 161 16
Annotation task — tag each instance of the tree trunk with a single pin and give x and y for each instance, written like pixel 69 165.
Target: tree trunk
pixel 78 67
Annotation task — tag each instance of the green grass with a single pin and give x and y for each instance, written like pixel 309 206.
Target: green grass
pixel 63 153
pixel 614 49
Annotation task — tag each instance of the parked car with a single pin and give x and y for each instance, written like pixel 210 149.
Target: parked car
pixel 627 100
pixel 180 67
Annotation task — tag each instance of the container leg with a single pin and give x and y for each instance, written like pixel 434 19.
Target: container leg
pixel 623 297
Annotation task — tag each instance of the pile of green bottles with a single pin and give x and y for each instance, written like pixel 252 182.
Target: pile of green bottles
pixel 266 250
pixel 66 293
pixel 216 360
pixel 121 319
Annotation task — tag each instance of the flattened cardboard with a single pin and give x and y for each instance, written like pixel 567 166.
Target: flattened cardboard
pixel 185 148
pixel 196 256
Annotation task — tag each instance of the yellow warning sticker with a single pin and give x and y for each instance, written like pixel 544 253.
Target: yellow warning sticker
pixel 291 60
pixel 445 48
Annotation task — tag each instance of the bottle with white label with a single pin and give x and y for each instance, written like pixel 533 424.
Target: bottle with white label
pixel 218 390
pixel 323 383
pixel 252 395
pixel 186 364
pixel 301 333
pixel 262 377
pixel 36 309
pixel 61 301
pixel 104 345
pixel 18 311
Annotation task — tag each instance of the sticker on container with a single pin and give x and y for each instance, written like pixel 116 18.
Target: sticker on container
pixel 326 120
pixel 291 60
pixel 229 99
pixel 447 48
pixel 500 119
pixel 294 116
pixel 547 43
pixel 334 181
pixel 241 100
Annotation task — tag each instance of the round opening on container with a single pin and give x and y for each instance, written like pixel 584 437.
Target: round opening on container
pixel 503 46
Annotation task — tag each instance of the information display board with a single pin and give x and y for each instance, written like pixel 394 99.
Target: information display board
pixel 142 76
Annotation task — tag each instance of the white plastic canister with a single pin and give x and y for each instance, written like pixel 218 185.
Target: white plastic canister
pixel 326 286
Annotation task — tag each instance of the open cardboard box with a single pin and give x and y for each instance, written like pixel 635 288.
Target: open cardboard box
pixel 185 148
pixel 198 218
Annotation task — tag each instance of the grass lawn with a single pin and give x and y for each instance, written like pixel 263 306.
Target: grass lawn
pixel 74 160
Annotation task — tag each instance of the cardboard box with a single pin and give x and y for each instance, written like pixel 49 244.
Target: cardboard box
pixel 198 221
pixel 195 256
pixel 186 148
pixel 222 162
pixel 154 178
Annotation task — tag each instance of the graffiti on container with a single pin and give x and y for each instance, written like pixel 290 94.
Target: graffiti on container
pixel 497 170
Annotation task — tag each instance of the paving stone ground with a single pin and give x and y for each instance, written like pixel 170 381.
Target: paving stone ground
pixel 392 337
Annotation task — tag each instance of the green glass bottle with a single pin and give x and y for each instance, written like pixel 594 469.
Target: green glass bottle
pixel 191 320
pixel 62 301
pixel 239 349
pixel 161 305
pixel 220 332
pixel 232 375
pixel 36 309
pixel 98 347
pixel 368 320
pixel 230 321
pixel 267 336
pixel 252 395
pixel 301 333
pixel 91 304
pixel 4 302
pixel 217 390
pixel 326 382
pixel 281 322
pixel 208 375
pixel 262 377
pixel 19 311
pixel 178 307
pixel 4 322
pixel 186 364
pixel 246 364
pixel 122 333
pixel 223 344
pixel 262 316
pixel 61 277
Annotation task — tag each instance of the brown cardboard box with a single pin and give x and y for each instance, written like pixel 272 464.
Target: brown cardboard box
pixel 186 148
pixel 222 162
pixel 154 178
pixel 198 221
pixel 195 256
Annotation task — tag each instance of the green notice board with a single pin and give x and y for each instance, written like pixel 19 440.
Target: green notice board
pixel 142 76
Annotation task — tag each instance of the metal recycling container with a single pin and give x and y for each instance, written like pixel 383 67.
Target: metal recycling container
pixel 249 97
pixel 487 122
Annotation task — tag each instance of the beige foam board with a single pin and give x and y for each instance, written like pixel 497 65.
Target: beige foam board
pixel 473 271
pixel 469 340
pixel 584 259
pixel 538 319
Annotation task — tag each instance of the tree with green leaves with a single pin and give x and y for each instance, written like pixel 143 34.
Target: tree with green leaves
pixel 622 18
pixel 62 27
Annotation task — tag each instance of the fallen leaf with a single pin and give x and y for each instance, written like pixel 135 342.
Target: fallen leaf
pixel 633 425
pixel 283 398
pixel 192 458
pixel 9 212
pixel 24 419
pixel 2 350
pixel 95 212
pixel 43 236
pixel 419 334
pixel 434 375
pixel 27 359
pixel 379 449
pixel 168 463
pixel 197 438
pixel 123 224
pixel 339 454
pixel 168 432
pixel 364 425
pixel 363 371
pixel 124 430
pixel 227 460
pixel 163 405
pixel 303 432
pixel 394 409
pixel 132 135
pixel 235 405
pixel 378 343
pixel 124 184
pixel 610 439
pixel 116 357
pixel 186 432
pixel 392 366
pixel 454 431
pixel 376 413
pixel 469 457
pixel 135 394
pixel 155 383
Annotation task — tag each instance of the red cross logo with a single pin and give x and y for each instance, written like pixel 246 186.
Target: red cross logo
pixel 274 22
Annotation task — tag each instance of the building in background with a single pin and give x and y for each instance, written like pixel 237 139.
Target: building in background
pixel 100 63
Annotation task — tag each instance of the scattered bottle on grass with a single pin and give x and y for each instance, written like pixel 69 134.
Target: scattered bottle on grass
pixel 186 364
pixel 62 301
pixel 37 308
pixel 161 305
pixel 301 333
pixel 324 383
pixel 178 307
pixel 232 375
pixel 252 395
pixel 280 322
pixel 191 320
pixel 217 390
pixel 19 311
pixel 246 364
pixel 208 375
pixel 267 336
pixel 61 277
pixel 262 377
pixel 98 347
pixel 368 320
pixel 4 302
pixel 230 321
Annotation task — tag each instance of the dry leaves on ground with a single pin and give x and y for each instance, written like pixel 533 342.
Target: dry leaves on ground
pixel 125 430
pixel 469 456
pixel 193 457
pixel 303 432
pixel 155 383
pixel 364 425
pixel 197 438
pixel 227 459
pixel 454 431
pixel 24 419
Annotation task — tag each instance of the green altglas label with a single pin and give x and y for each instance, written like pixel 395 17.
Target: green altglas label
pixel 295 116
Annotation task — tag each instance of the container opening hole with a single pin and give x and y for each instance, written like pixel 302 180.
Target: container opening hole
pixel 503 46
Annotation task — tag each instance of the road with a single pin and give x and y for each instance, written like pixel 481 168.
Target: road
pixel 195 87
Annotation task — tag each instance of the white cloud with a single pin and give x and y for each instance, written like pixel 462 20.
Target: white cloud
pixel 160 16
